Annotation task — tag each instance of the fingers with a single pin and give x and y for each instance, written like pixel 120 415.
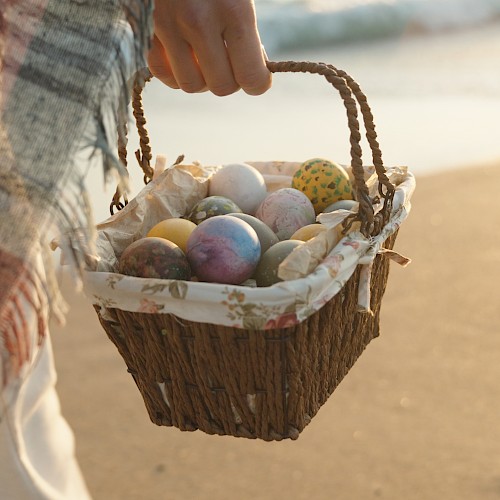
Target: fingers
pixel 159 65
pixel 208 45
pixel 247 55
pixel 185 66
pixel 215 65
pixel 231 56
pixel 175 65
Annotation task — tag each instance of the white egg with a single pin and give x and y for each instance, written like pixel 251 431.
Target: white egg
pixel 241 183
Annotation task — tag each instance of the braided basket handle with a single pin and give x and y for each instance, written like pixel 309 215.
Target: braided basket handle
pixel 143 155
pixel 352 97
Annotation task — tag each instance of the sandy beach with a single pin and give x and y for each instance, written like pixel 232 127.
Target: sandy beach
pixel 417 416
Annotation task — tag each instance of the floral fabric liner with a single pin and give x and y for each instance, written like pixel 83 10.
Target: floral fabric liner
pixel 312 276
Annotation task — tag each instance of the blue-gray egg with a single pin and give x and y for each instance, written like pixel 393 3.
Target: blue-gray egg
pixel 266 236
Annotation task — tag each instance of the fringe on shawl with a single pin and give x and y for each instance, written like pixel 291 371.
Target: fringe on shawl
pixel 71 216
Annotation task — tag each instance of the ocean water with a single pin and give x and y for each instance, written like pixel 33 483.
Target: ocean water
pixel 291 24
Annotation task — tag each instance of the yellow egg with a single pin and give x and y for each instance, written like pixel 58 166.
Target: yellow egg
pixel 175 230
pixel 323 182
pixel 308 232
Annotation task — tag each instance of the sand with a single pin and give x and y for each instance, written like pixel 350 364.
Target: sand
pixel 415 418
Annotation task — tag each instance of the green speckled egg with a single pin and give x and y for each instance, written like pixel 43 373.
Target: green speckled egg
pixel 323 182
pixel 211 206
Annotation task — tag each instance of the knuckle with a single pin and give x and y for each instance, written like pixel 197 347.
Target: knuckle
pixel 192 21
pixel 192 87
pixel 240 13
pixel 158 70
pixel 163 74
pixel 224 89
pixel 256 83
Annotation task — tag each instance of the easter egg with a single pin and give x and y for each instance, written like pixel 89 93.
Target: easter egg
pixel 241 183
pixel 223 249
pixel 212 206
pixel 308 232
pixel 175 230
pixel 154 258
pixel 342 205
pixel 266 273
pixel 285 211
pixel 266 236
pixel 323 182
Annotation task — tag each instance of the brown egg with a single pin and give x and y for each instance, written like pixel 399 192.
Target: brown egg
pixel 154 257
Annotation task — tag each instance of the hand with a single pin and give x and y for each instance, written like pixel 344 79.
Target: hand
pixel 213 45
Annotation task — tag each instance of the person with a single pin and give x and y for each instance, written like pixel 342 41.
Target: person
pixel 214 45
pixel 63 67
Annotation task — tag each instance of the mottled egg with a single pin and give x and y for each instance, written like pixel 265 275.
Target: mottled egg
pixel 266 236
pixel 212 206
pixel 308 232
pixel 223 249
pixel 285 211
pixel 266 273
pixel 175 230
pixel 241 183
pixel 323 182
pixel 154 258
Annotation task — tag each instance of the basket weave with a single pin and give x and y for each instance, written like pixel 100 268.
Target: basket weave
pixel 265 384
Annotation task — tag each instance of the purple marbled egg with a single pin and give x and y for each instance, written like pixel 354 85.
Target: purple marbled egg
pixel 223 249
pixel 285 211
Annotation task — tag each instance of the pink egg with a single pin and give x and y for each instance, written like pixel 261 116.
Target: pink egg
pixel 223 249
pixel 285 211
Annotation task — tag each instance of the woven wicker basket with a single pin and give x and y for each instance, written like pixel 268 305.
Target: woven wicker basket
pixel 265 384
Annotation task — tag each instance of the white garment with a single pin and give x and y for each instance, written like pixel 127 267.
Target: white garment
pixel 37 459
pixel 37 449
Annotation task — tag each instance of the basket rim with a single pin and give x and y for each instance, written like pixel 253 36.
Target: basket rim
pixel 238 305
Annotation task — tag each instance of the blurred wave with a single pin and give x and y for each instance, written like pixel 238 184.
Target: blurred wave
pixel 292 24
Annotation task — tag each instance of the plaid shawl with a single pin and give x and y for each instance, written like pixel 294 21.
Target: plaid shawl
pixel 63 86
